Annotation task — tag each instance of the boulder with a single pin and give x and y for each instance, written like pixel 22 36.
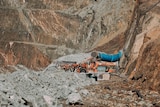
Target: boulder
pixel 74 98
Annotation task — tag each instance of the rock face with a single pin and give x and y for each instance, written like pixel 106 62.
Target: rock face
pixel 141 60
pixel 52 28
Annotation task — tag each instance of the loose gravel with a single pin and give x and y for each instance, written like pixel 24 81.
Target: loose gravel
pixel 27 88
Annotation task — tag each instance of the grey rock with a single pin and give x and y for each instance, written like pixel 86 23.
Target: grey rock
pixel 74 57
pixel 120 105
pixel 114 92
pixel 142 103
pixel 24 87
pixel 149 104
pixel 84 92
pixel 74 98
pixel 107 96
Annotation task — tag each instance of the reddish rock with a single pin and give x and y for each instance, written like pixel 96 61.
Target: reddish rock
pixel 23 54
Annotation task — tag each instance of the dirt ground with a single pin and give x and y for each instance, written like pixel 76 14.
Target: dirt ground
pixel 119 92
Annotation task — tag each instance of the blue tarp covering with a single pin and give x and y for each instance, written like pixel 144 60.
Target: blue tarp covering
pixel 110 57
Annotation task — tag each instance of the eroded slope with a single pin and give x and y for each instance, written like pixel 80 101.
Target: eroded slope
pixel 70 26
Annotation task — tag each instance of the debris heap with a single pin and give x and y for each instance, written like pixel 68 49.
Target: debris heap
pixel 26 88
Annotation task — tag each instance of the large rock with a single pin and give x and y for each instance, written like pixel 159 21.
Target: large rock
pixel 74 98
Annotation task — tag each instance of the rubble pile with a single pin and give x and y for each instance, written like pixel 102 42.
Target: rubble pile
pixel 26 88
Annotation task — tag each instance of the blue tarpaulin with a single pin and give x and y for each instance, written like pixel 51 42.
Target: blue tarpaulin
pixel 110 57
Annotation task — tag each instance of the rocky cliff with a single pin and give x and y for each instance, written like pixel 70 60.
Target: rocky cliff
pixel 142 45
pixel 34 32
